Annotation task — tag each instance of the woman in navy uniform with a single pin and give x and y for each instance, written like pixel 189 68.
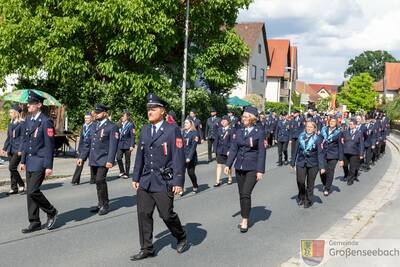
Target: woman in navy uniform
pixel 248 152
pixel 159 173
pixel 353 149
pixel 126 144
pixel 101 149
pixel 309 159
pixel 282 137
pixel 37 160
pixel 12 148
pixel 222 145
pixel 333 151
pixel 190 141
pixel 84 137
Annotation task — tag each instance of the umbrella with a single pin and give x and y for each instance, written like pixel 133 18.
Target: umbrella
pixel 21 96
pixel 236 101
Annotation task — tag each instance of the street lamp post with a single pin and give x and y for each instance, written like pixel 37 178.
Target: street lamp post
pixel 291 68
pixel 185 54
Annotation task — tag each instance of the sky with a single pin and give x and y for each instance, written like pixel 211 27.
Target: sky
pixel 329 33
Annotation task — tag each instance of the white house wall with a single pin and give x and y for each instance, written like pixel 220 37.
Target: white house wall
pixel 253 86
pixel 272 90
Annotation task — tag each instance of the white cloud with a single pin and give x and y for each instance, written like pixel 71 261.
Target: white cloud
pixel 330 32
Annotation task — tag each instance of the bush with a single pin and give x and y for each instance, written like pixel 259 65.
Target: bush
pixel 392 109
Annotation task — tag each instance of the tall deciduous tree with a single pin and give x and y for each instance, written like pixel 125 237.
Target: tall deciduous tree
pixel 372 62
pixel 116 51
pixel 358 93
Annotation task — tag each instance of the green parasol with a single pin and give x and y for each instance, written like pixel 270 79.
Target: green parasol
pixel 21 96
pixel 236 101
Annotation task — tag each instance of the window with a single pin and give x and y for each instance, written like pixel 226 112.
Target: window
pixel 262 75
pixel 253 72
pixel 259 48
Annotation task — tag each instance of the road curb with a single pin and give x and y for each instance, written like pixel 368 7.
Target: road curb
pixel 351 225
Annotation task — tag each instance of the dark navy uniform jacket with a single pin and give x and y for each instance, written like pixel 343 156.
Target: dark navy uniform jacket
pixel 212 125
pixel 296 127
pixel 126 136
pixel 353 144
pixel 248 151
pixel 332 143
pixel 38 144
pixel 282 131
pixel 15 135
pixel 309 152
pixel 84 136
pixel 102 144
pixel 369 135
pixel 385 127
pixel 234 123
pixel 223 141
pixel 262 126
pixel 274 123
pixel 190 141
pixel 163 150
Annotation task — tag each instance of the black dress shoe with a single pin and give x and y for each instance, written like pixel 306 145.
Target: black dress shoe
pixel 95 209
pixel 92 182
pixel 218 184
pixel 307 204
pixel 349 182
pixel 280 164
pixel 243 230
pixel 300 202
pixel 103 210
pixel 32 228
pixel 142 255
pixel 12 192
pixel 286 162
pixel 182 246
pixel 51 220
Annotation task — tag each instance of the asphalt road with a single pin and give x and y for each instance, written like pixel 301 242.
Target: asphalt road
pixel 210 217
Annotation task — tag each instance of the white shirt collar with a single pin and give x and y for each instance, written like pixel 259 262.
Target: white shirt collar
pixel 102 122
pixel 158 125
pixel 36 116
pixel 249 129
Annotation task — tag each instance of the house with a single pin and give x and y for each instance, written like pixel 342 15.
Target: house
pixel 313 92
pixel 282 74
pixel 253 73
pixel 390 84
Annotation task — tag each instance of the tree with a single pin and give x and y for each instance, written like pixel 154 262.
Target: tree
pixel 392 108
pixel 324 103
pixel 116 51
pixel 358 93
pixel 372 62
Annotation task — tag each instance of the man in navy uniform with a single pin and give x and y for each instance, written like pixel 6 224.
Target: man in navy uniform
pixel 197 123
pixel 282 137
pixel 212 125
pixel 84 137
pixel 37 160
pixel 159 173
pixel 234 120
pixel 101 149
pixel 126 143
pixel 296 128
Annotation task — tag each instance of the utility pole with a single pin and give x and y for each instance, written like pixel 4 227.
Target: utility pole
pixel 292 68
pixel 185 55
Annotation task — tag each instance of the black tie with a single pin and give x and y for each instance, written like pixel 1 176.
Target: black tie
pixel 154 131
pixel 246 133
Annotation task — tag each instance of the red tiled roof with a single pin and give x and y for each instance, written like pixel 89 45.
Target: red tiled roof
pixel 331 89
pixel 304 88
pixel 279 55
pixel 392 76
pixel 249 32
pixel 378 86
